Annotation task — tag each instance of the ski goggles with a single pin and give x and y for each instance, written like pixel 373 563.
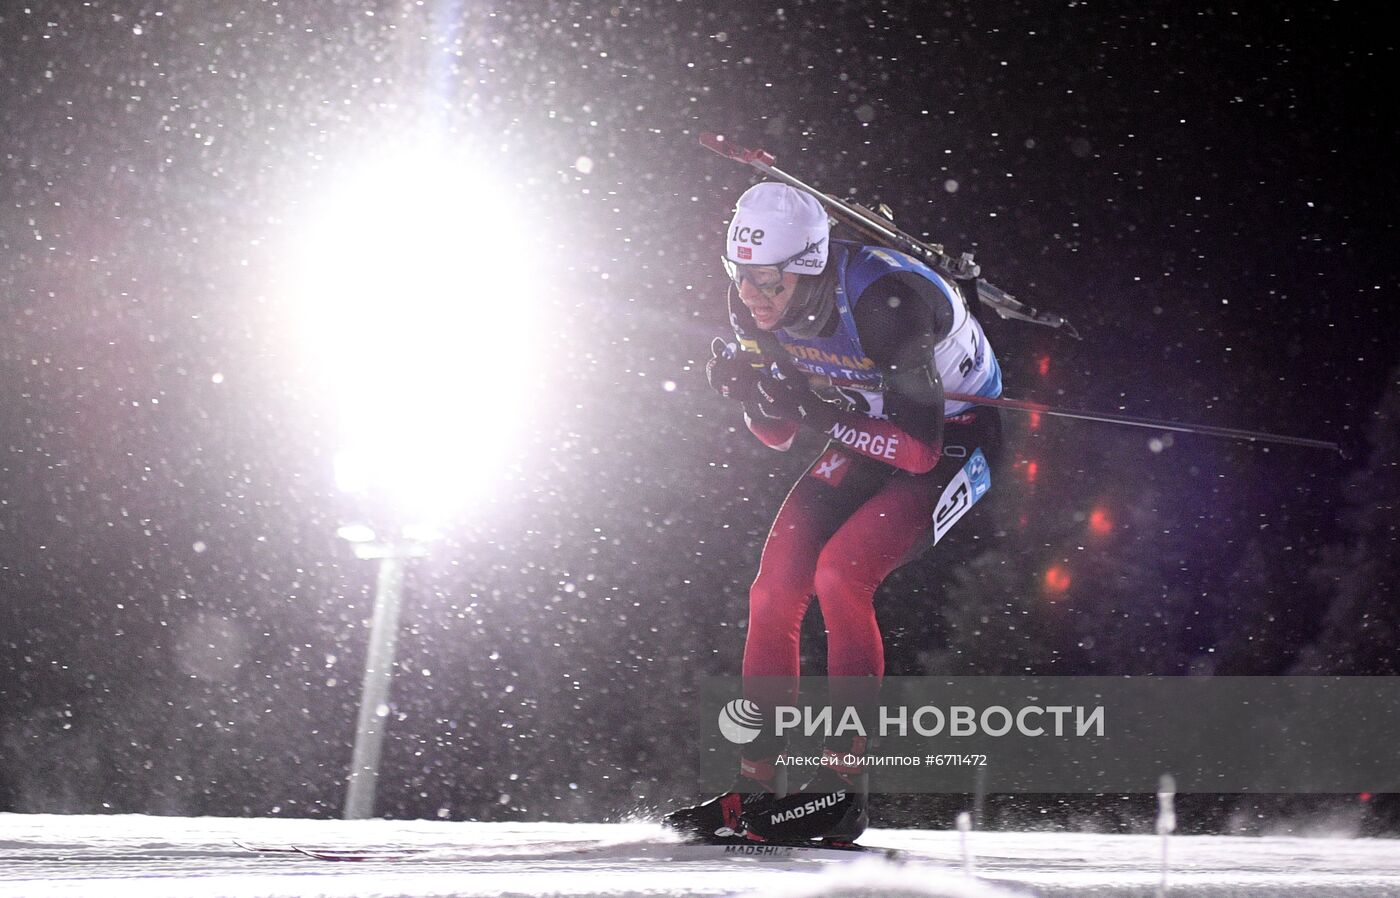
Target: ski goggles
pixel 767 278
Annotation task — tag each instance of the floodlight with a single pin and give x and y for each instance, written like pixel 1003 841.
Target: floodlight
pixel 416 294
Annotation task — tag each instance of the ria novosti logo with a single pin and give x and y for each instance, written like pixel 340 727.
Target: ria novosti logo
pixel 740 721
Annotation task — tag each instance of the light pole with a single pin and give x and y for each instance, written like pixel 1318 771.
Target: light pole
pixel 394 273
pixel 373 720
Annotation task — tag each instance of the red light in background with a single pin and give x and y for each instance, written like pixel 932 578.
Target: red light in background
pixel 1100 522
pixel 1031 470
pixel 1035 420
pixel 1364 796
pixel 1042 365
pixel 1057 579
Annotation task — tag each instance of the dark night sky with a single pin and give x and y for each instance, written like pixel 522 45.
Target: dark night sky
pixel 1207 193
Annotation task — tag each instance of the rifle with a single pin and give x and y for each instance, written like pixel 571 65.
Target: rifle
pixel 879 228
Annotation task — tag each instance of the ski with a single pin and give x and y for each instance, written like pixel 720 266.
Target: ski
pixel 265 849
pixel 798 850
pixel 661 851
pixel 333 853
pixel 363 854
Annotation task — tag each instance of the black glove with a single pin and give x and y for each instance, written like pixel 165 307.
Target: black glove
pixel 793 400
pixel 732 378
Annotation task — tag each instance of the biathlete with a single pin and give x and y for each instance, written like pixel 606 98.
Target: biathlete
pixel 859 344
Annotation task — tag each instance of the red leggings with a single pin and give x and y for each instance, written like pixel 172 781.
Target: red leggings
pixel 847 523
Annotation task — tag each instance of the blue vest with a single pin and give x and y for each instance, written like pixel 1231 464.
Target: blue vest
pixel 838 357
pixel 970 365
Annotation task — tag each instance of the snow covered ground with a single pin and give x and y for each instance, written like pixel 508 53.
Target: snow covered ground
pixel 155 857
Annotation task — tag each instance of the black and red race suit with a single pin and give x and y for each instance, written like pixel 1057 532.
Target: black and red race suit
pixel 900 468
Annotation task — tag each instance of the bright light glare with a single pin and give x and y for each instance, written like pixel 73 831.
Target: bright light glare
pixel 415 291
pixel 356 533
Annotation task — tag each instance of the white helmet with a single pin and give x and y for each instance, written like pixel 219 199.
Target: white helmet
pixel 775 224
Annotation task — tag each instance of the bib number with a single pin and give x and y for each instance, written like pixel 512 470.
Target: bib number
pixel 970 484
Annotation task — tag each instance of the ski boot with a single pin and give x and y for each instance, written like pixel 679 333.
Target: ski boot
pixel 832 809
pixel 722 818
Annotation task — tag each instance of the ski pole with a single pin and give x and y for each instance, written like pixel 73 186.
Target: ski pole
pixel 1253 436
pixel 1002 302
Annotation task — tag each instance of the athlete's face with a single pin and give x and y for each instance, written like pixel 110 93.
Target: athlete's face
pixel 767 304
